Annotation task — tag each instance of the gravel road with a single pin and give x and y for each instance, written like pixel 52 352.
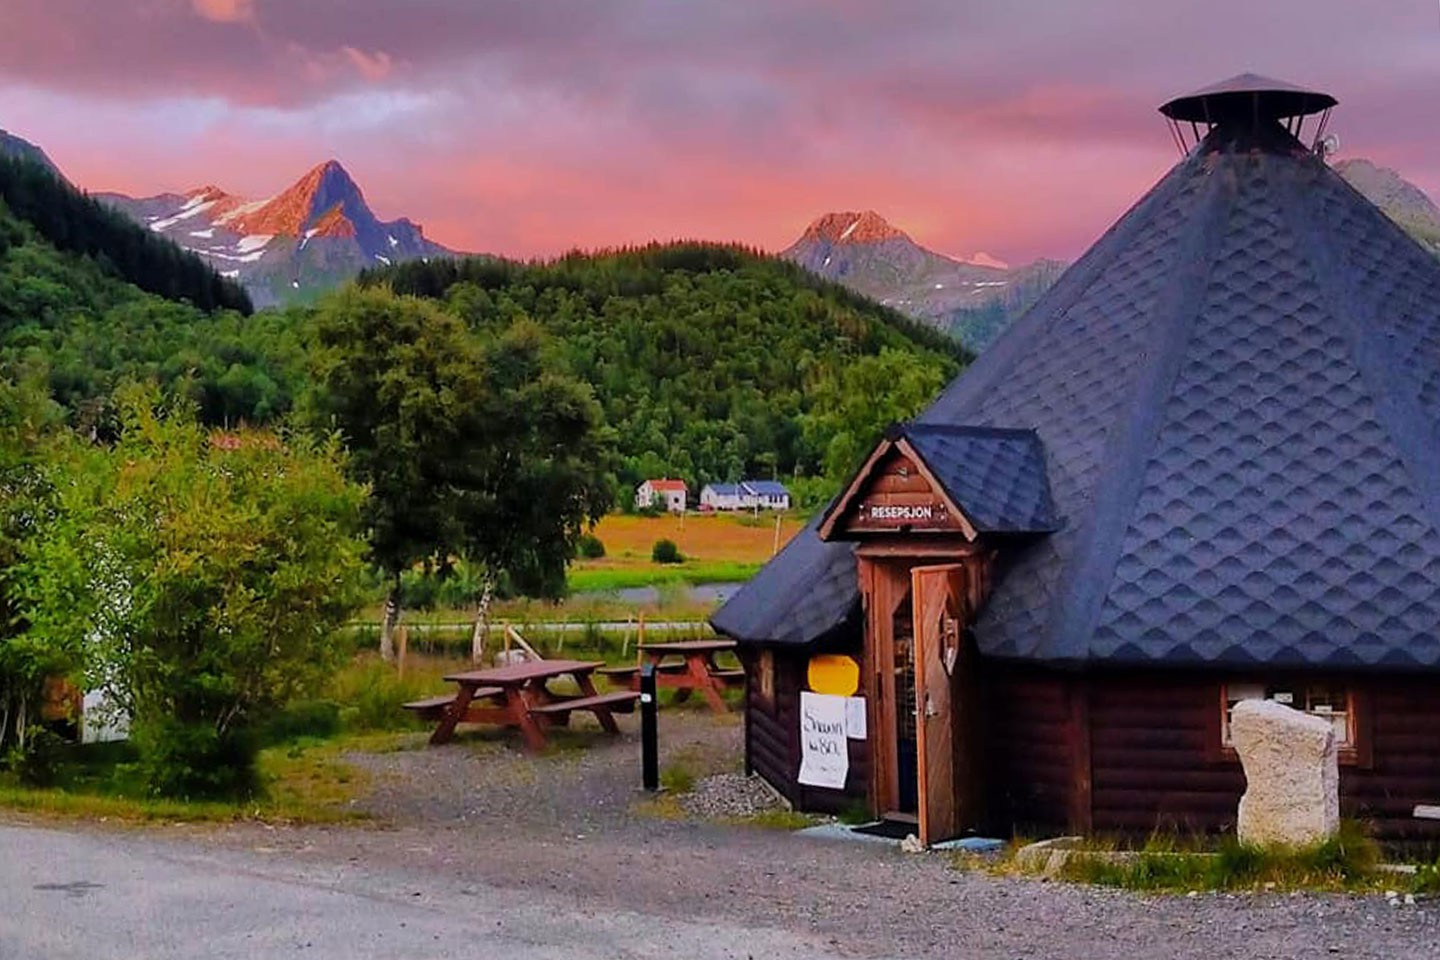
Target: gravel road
pixel 481 834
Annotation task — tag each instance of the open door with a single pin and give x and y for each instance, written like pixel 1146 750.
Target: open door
pixel 946 778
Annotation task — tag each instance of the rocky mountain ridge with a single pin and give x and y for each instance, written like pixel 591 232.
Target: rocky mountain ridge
pixel 976 299
pixel 308 238
pixel 973 299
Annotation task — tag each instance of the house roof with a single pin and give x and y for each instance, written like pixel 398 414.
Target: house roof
pixel 765 488
pixel 723 489
pixel 1237 390
pixel 674 485
pixel 997 477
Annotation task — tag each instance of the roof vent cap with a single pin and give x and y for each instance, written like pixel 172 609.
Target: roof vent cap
pixel 1245 102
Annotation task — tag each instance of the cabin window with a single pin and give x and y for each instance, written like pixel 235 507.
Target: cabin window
pixel 1330 701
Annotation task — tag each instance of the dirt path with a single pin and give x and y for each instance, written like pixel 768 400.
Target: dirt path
pixel 479 812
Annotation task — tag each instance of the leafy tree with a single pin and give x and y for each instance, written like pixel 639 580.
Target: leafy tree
pixel 208 577
pixel 482 451
pixel 850 407
pixel 74 222
pixel 702 356
pixel 93 330
pixel 34 454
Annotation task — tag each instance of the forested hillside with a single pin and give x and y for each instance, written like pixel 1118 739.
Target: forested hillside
pixel 74 223
pixel 711 363
pixel 69 315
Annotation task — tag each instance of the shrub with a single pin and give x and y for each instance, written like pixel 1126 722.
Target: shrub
pixel 665 551
pixel 238 564
pixel 37 764
pixel 194 761
pixel 1427 878
pixel 590 547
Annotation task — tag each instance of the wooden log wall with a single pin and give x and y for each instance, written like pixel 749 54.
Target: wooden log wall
pixel 1151 738
pixel 1156 764
pixel 1029 749
pixel 772 733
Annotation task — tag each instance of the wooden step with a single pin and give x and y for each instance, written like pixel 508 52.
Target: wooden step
pixel 621 701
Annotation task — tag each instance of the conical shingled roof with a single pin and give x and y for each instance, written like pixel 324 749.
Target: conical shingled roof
pixel 1238 394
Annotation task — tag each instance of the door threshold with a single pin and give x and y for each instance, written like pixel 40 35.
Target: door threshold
pixel 899 817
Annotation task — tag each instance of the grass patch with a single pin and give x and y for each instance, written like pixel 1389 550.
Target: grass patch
pixel 1169 863
pixel 677 777
pixel 303 783
pixel 706 537
pixel 777 819
pixel 602 576
pixel 662 807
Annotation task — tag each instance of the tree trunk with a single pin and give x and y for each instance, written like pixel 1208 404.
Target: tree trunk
pixel 480 635
pixel 390 621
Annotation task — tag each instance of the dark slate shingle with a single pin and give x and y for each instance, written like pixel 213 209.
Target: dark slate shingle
pixel 1237 398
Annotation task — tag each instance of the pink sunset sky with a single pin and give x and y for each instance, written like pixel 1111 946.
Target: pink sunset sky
pixel 527 127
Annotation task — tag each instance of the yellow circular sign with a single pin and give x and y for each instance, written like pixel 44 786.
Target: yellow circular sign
pixel 835 674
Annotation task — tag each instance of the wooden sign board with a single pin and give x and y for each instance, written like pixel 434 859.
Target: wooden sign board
pixel 894 493
pixel 898 496
pixel 880 514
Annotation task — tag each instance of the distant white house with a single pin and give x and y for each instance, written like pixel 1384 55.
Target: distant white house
pixel 765 494
pixel 669 494
pixel 721 496
pixel 745 495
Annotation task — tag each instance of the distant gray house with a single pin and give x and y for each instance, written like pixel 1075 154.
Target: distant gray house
pixel 745 495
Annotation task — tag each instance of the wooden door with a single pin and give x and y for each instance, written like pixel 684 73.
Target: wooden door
pixel 940 603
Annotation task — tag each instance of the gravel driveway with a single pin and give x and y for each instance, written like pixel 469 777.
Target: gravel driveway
pixel 565 829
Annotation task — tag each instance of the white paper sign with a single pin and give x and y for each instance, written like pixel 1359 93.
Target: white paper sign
pixel 855 718
pixel 825 755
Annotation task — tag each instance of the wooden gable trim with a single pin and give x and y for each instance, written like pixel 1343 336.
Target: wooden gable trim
pixel 851 499
pixel 847 499
pixel 966 527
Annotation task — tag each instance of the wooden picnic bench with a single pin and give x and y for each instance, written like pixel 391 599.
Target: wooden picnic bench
pixel 518 695
pixel 696 671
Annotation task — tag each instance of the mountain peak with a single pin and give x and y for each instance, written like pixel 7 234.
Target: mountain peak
pixel 22 149
pixel 317 201
pixel 853 227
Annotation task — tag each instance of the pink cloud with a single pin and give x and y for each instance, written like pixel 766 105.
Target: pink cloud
pixel 226 11
pixel 528 127
pixel 372 66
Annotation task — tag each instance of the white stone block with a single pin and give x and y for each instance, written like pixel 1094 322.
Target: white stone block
pixel 1292 774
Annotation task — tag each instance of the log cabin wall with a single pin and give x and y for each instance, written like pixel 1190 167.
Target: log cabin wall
pixel 1157 763
pixel 772 730
pixel 1152 763
pixel 1029 749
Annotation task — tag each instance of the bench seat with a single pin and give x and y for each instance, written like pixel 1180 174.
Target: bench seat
pixel 432 707
pixel 621 701
pixel 629 673
pixel 729 676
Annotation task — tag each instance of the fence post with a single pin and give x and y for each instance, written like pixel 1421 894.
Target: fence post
pixel 649 745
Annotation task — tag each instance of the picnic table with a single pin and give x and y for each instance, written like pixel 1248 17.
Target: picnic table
pixel 518 695
pixel 696 669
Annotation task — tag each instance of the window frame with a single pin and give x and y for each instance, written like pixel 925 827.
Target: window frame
pixel 1355 753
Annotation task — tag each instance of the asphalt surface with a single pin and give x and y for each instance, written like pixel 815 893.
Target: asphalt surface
pixel 132 896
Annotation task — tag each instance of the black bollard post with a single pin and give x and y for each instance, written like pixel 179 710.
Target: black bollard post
pixel 649 746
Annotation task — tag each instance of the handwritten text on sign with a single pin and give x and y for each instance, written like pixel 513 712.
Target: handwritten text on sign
pixel 824 754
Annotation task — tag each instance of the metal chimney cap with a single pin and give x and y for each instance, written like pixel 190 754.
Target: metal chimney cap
pixel 1247 96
